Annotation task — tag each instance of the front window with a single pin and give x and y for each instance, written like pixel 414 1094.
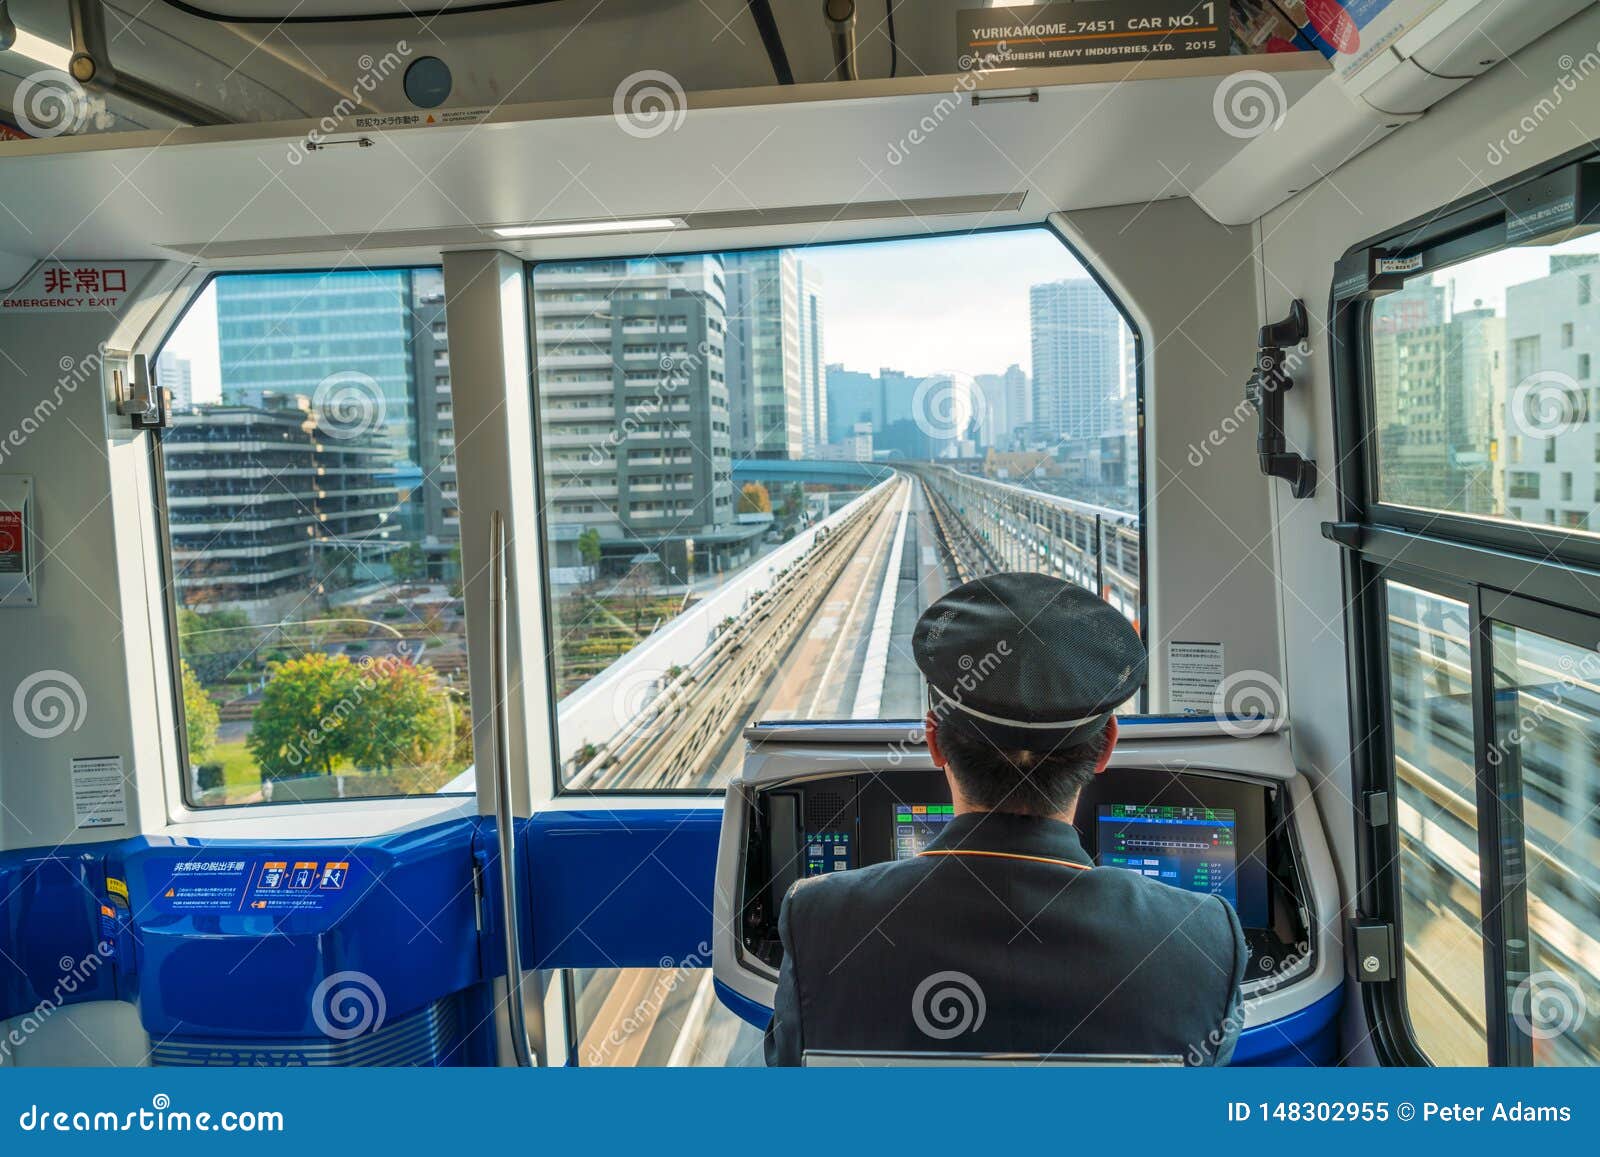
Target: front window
pixel 313 539
pixel 760 467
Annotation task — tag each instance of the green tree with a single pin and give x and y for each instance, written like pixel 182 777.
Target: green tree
pixel 455 571
pixel 408 563
pixel 200 715
pixel 754 499
pixel 302 721
pixel 405 725
pixel 217 644
pixel 637 588
pixel 589 547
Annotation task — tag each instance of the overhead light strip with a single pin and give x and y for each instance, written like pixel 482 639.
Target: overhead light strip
pixel 589 228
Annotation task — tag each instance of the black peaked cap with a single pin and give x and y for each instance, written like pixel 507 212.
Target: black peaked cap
pixel 1029 660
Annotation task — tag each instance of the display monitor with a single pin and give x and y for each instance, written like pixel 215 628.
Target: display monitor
pixel 1188 847
pixel 916 825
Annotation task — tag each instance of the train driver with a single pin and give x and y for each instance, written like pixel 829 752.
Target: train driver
pixel 1001 936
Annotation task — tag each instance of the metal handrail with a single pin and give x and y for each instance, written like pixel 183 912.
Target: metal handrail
pixel 505 831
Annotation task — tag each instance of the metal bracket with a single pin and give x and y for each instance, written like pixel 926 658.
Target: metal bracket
pixel 1265 391
pixel 1374 948
pixel 146 406
pixel 91 67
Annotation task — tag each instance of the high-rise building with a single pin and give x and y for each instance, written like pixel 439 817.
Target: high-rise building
pixel 777 386
pixel 346 333
pixel 634 412
pixel 910 417
pixel 853 399
pixel 1080 355
pixel 1476 372
pixel 371 347
pixel 438 499
pixel 813 364
pixel 1552 404
pixel 1007 406
pixel 1410 343
pixel 269 509
pixel 176 375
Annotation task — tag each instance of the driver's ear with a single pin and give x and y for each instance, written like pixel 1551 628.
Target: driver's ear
pixel 1110 741
pixel 930 730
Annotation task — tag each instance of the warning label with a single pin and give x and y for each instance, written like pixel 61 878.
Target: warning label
pixel 423 120
pixel 1194 672
pixel 99 791
pixel 11 542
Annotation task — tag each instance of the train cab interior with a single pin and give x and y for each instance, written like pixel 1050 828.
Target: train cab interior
pixel 470 477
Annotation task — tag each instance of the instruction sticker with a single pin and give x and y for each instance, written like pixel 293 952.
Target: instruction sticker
pixel 99 791
pixel 1194 672
pixel 1398 264
pixel 275 883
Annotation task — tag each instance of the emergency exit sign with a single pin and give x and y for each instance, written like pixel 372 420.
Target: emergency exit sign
pixel 61 287
pixel 1091 33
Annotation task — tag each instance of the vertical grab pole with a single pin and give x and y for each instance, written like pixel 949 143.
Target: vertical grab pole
pixel 505 830
pixel 1099 559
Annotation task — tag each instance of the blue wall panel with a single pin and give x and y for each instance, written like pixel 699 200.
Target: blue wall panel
pixel 621 888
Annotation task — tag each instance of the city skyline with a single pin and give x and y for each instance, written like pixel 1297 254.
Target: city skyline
pixel 923 306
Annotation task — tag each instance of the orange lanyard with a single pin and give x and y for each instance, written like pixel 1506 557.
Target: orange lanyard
pixel 1006 856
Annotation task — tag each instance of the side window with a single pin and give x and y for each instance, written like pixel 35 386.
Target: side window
pixel 1436 814
pixel 1547 699
pixel 311 515
pixel 1471 480
pixel 1479 398
pixel 759 467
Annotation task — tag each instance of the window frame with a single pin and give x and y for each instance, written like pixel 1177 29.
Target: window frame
pixel 1046 226
pixel 182 808
pixel 1543 579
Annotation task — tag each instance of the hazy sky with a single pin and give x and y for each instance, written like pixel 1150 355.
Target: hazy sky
pixel 924 306
pixel 196 339
pixel 1486 278
pixel 938 304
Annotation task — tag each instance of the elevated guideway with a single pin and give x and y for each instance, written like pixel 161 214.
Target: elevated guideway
pixel 989 526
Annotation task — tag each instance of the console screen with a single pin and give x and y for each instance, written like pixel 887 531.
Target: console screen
pixel 1188 847
pixel 916 825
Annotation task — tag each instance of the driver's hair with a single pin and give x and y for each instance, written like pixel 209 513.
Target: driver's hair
pixel 1015 779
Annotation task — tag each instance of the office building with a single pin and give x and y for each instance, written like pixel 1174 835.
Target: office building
pixel 269 510
pixel 1552 335
pixel 176 375
pixel 634 413
pixel 1080 361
